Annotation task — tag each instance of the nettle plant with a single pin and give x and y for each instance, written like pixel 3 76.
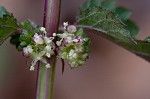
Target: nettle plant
pixel 45 44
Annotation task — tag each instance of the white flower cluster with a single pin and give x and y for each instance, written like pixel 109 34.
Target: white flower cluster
pixel 71 46
pixel 42 48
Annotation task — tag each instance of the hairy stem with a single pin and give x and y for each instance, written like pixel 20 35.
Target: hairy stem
pixel 45 79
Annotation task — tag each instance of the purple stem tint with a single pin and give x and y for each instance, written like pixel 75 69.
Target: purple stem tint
pixel 45 77
pixel 51 15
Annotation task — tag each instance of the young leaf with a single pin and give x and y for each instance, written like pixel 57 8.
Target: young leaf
pixel 123 13
pixel 132 27
pixel 94 3
pixel 109 4
pixel 3 11
pixel 8 25
pixel 90 4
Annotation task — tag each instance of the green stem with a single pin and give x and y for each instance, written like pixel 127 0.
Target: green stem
pixel 41 81
pixel 45 78
pixel 45 90
pixel 52 78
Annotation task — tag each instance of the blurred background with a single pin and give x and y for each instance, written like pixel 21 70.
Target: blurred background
pixel 111 72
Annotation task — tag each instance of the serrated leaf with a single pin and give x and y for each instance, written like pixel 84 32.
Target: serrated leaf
pixel 109 4
pixel 123 13
pixel 132 27
pixel 106 22
pixel 3 11
pixel 8 25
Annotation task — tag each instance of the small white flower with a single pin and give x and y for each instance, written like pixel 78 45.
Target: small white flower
pixel 74 64
pixel 48 66
pixel 58 43
pixel 33 64
pixel 69 39
pixel 38 58
pixel 27 50
pixel 65 25
pixel 75 55
pixel 76 40
pixel 42 28
pixel 38 39
pixel 71 52
pixel 54 34
pixel 49 51
pixel 63 55
pixel 48 40
pixel 64 35
pixel 48 55
pixel 71 29
pixel 79 49
pixel 48 47
pixel 32 68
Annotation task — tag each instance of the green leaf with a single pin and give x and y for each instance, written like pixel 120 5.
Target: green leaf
pixel 109 4
pixel 85 6
pixel 106 22
pixel 3 11
pixel 123 13
pixel 94 3
pixel 90 4
pixel 142 49
pixel 132 27
pixel 28 29
pixel 8 25
pixel 147 39
pixel 15 39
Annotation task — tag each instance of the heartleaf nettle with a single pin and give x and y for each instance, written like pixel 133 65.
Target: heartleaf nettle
pixel 72 43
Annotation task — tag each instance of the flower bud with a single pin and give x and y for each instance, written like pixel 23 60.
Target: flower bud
pixel 71 52
pixel 42 29
pixel 75 55
pixel 54 34
pixel 48 66
pixel 32 68
pixel 71 29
